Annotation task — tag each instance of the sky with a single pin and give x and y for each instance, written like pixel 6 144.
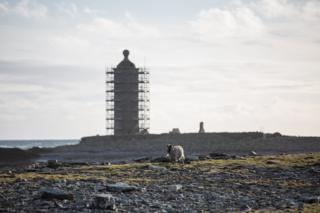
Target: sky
pixel 238 65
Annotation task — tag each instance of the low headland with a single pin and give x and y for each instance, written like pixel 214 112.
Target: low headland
pixel 99 149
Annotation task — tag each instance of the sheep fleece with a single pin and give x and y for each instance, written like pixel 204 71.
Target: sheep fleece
pixel 177 153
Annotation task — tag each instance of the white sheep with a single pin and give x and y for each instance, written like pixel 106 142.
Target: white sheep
pixel 175 153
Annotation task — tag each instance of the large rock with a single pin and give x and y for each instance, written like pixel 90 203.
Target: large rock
pixel 121 187
pixel 104 201
pixel 53 164
pixel 53 193
pixel 310 200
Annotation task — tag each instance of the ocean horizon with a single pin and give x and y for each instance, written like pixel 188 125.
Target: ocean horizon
pixel 41 143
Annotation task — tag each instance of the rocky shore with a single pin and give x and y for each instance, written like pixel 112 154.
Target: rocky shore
pixel 216 183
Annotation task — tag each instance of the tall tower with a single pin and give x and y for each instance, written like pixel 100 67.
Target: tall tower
pixel 127 98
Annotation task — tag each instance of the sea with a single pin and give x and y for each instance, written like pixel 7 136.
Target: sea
pixel 27 144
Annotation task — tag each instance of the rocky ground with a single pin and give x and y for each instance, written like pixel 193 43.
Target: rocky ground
pixel 216 183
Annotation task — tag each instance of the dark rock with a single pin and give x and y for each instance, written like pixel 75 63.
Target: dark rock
pixel 11 155
pixel 53 193
pixel 215 155
pixel 272 162
pixel 310 200
pixel 53 164
pixel 204 157
pixel 160 160
pixel 121 187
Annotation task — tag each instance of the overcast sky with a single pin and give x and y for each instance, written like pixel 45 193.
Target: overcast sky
pixel 236 65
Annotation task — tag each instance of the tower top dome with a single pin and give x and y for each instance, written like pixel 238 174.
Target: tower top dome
pixel 126 63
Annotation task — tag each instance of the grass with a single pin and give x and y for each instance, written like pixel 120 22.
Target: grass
pixel 307 208
pixel 136 171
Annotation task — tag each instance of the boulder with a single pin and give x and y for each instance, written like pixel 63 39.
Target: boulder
pixel 104 201
pixel 53 164
pixel 53 193
pixel 310 200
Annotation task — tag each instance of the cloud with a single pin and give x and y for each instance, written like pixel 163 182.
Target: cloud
pixel 70 9
pixel 218 23
pixel 30 9
pixel 24 8
pixel 45 96
pixel 118 30
pixel 4 8
pixel 259 22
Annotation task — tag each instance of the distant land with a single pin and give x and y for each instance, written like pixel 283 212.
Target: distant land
pixel 98 149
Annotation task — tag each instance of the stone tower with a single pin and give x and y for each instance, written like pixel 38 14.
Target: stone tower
pixel 127 100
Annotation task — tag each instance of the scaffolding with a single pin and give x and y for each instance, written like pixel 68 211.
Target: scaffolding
pixel 142 102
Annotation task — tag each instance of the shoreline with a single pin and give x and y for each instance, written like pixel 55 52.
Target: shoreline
pixel 99 149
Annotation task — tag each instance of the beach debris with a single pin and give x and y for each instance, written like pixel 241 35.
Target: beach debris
pixel 121 187
pixel 104 201
pixel 54 193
